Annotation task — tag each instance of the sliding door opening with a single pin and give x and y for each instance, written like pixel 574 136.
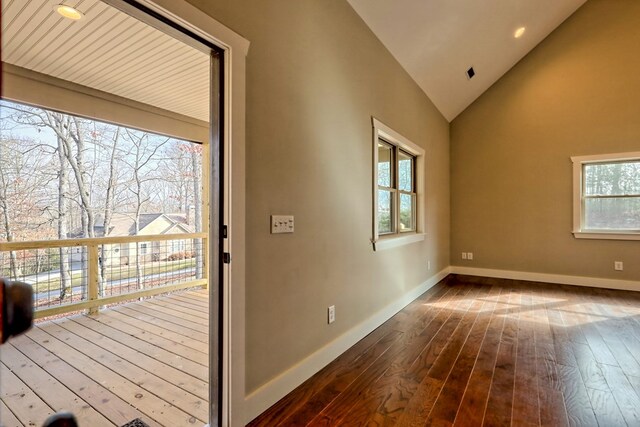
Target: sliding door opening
pixel 111 209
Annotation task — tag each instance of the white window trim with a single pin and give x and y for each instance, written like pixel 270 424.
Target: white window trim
pixel 578 202
pixel 380 130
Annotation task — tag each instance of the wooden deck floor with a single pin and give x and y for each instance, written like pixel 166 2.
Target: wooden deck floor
pixel 497 353
pixel 146 360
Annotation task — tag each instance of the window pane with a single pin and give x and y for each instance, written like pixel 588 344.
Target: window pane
pixel 405 171
pixel 621 213
pixel 612 179
pixel 385 164
pixel 407 212
pixel 385 212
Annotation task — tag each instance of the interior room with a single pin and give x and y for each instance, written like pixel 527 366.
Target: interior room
pixel 414 213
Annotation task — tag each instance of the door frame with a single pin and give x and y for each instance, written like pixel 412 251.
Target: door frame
pixel 234 50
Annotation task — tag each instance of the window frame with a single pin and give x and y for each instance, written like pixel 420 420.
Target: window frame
pixel 579 231
pixel 144 248
pixel 400 143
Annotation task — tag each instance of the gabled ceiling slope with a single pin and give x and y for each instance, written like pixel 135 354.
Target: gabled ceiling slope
pixel 437 41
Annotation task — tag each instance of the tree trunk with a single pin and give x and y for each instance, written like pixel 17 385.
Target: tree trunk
pixel 108 208
pixel 197 201
pixel 6 221
pixel 63 212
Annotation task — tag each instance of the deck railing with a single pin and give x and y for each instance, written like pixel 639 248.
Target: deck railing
pixel 79 274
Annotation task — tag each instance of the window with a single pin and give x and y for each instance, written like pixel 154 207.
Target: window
pixel 606 196
pixel 397 170
pixel 177 246
pixel 143 248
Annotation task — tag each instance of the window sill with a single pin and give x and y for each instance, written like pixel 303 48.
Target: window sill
pixel 607 235
pixel 395 241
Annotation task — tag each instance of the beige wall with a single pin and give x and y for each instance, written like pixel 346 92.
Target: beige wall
pixel 315 76
pixel 577 93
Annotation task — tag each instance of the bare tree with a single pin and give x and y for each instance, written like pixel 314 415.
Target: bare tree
pixel 109 200
pixel 196 169
pixel 63 212
pixel 21 191
pixel 5 206
pixel 143 166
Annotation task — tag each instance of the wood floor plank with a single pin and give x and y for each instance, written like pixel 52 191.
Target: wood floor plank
pixel 446 406
pixel 170 326
pixel 605 408
pixel 474 400
pixel 178 310
pixel 314 395
pixel 526 409
pixel 176 377
pixel 499 405
pixel 109 377
pixel 199 326
pixel 576 398
pixel 147 403
pixel 588 317
pixel 330 415
pixel 618 334
pixel 7 418
pixel 152 382
pixel 589 369
pixel 154 329
pixel 163 312
pixel 542 355
pixel 301 405
pixel 55 394
pixel 195 297
pixel 199 310
pixel 26 405
pixel 385 400
pixel 105 402
pixel 198 356
pixel 192 368
pixel 202 305
pixel 624 394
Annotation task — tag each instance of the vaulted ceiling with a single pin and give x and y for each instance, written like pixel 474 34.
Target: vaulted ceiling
pixel 437 41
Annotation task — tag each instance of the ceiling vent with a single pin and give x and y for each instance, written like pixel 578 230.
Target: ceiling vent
pixel 470 73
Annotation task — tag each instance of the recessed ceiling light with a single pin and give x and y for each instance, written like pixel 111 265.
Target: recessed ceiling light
pixel 68 11
pixel 519 32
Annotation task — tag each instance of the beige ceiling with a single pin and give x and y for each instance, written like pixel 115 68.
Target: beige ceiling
pixel 436 41
pixel 109 51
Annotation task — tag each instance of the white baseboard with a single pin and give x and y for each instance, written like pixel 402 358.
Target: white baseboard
pixel 268 394
pixel 596 282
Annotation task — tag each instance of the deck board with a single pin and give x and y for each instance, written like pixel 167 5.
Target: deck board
pixel 113 367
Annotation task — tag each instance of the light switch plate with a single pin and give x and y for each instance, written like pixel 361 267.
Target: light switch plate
pixel 281 224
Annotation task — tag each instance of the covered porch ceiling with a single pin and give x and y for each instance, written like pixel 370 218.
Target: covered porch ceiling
pixel 109 51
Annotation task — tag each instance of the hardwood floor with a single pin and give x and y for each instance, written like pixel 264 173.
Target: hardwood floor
pixel 145 360
pixel 474 352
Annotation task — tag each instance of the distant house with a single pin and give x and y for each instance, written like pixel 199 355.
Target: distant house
pixel 150 224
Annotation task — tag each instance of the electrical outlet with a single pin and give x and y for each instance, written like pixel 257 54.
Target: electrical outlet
pixel 331 314
pixel 428 265
pixel 464 255
pixel 281 224
pixel 470 255
pixel 618 265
